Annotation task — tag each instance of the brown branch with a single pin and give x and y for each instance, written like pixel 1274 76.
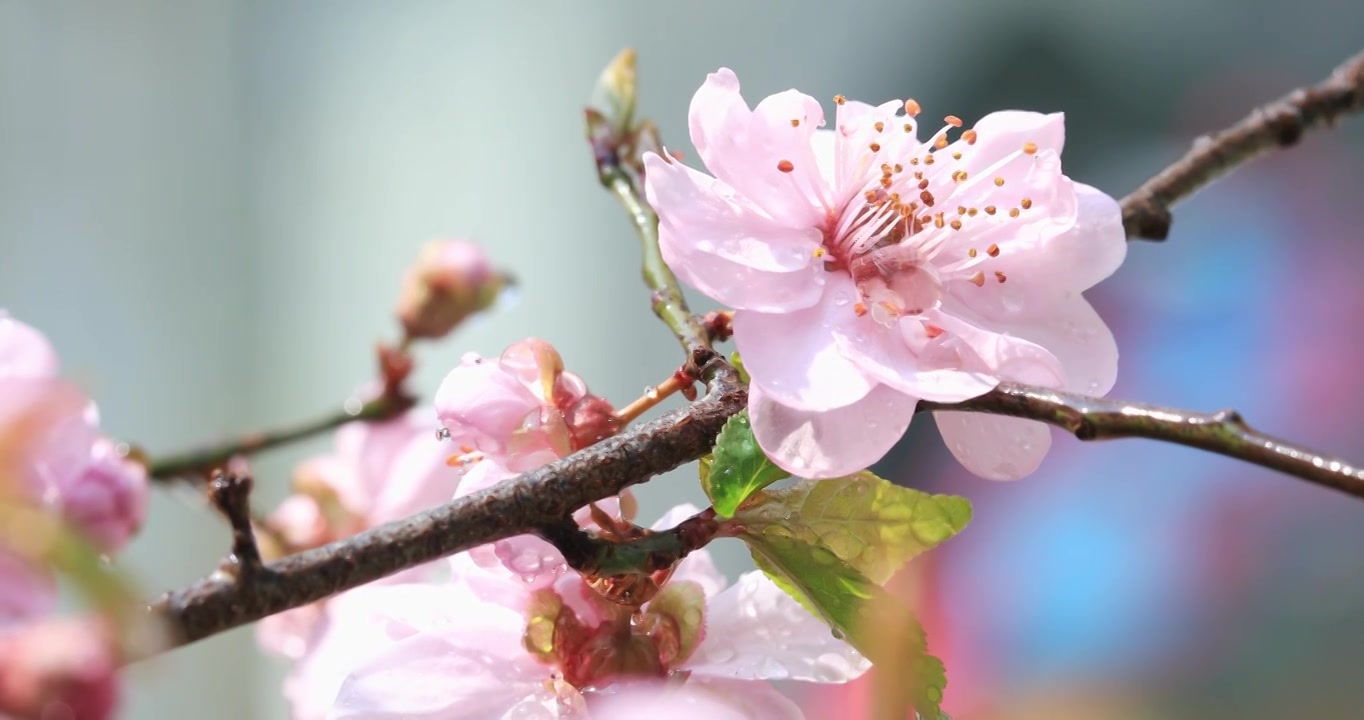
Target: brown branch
pixel 1224 432
pixel 539 498
pixel 206 458
pixel 231 494
pixel 1280 124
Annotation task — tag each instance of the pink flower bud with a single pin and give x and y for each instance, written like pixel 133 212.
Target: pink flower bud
pixel 108 500
pixel 451 280
pixel 59 668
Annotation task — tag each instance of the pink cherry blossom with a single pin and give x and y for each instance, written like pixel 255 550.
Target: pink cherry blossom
pixel 59 668
pixel 377 472
pixel 451 280
pixel 469 648
pixel 524 407
pixel 60 460
pixel 869 270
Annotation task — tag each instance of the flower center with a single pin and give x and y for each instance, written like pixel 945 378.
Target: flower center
pixel 913 217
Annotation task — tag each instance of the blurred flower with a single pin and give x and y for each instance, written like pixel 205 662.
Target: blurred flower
pixel 54 448
pixel 59 669
pixel 491 645
pixel 870 270
pixel 451 280
pixel 377 472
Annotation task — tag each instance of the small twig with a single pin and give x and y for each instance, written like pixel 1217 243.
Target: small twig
pixel 649 551
pixel 207 458
pixel 1224 433
pixel 538 498
pixel 667 300
pixel 231 494
pixel 1282 123
pixel 679 381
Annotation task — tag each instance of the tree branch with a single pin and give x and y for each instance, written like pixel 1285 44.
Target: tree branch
pixel 1280 124
pixel 539 498
pixel 206 458
pixel 594 554
pixel 1224 432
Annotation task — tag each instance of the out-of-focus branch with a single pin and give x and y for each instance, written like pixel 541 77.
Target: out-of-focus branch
pixel 202 460
pixel 535 499
pixel 1282 123
pixel 231 494
pixel 1224 432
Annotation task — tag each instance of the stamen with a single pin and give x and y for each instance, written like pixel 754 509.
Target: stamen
pixel 971 212
pixel 956 156
pixel 839 99
pixel 989 209
pixel 927 197
pixel 978 279
pixel 795 122
pixel 961 209
pixel 875 147
pixel 999 182
pixel 859 309
pixel 1000 276
pixel 785 166
pixel 955 224
pixel 971 252
pixel 953 120
pixel 909 127
pixel 969 136
pixel 820 252
pixel 1013 212
pixel 938 221
pixel 1030 148
pixel 912 107
pixel 933 331
pixel 993 250
pixel 928 159
pixel 940 142
pixel 1026 203
pixel 879 126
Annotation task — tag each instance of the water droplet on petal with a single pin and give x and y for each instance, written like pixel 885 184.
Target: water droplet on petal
pixel 841 298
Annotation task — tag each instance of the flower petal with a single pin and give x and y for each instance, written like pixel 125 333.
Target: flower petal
pixel 788 643
pixel 999 354
pixel 418 479
pixel 830 443
pixel 994 447
pixel 711 698
pixel 27 592
pixel 793 355
pixel 433 674
pixel 482 403
pixel 744 147
pixel 24 352
pixel 726 249
pixel 885 357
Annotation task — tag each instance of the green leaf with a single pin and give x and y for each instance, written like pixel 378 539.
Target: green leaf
pixel 880 625
pixel 872 524
pixel 738 467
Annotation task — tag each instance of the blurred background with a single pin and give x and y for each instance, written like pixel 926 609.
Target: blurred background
pixel 207 207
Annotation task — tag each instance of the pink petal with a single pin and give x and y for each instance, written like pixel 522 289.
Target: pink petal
pixel 999 354
pixel 786 642
pixel 107 501
pixel 725 248
pixel 469 672
pixel 1001 133
pixel 24 352
pixel 27 592
pixel 480 401
pixel 830 443
pixel 709 698
pixel 793 355
pixel 1094 247
pixel 1072 332
pixel 419 479
pixel 994 447
pixel 884 356
pixel 743 148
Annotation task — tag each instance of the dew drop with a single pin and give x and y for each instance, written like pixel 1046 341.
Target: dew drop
pixel 353 406
pixel 841 298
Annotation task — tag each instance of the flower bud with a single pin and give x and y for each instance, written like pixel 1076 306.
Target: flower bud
pixel 613 99
pixel 108 500
pixel 451 280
